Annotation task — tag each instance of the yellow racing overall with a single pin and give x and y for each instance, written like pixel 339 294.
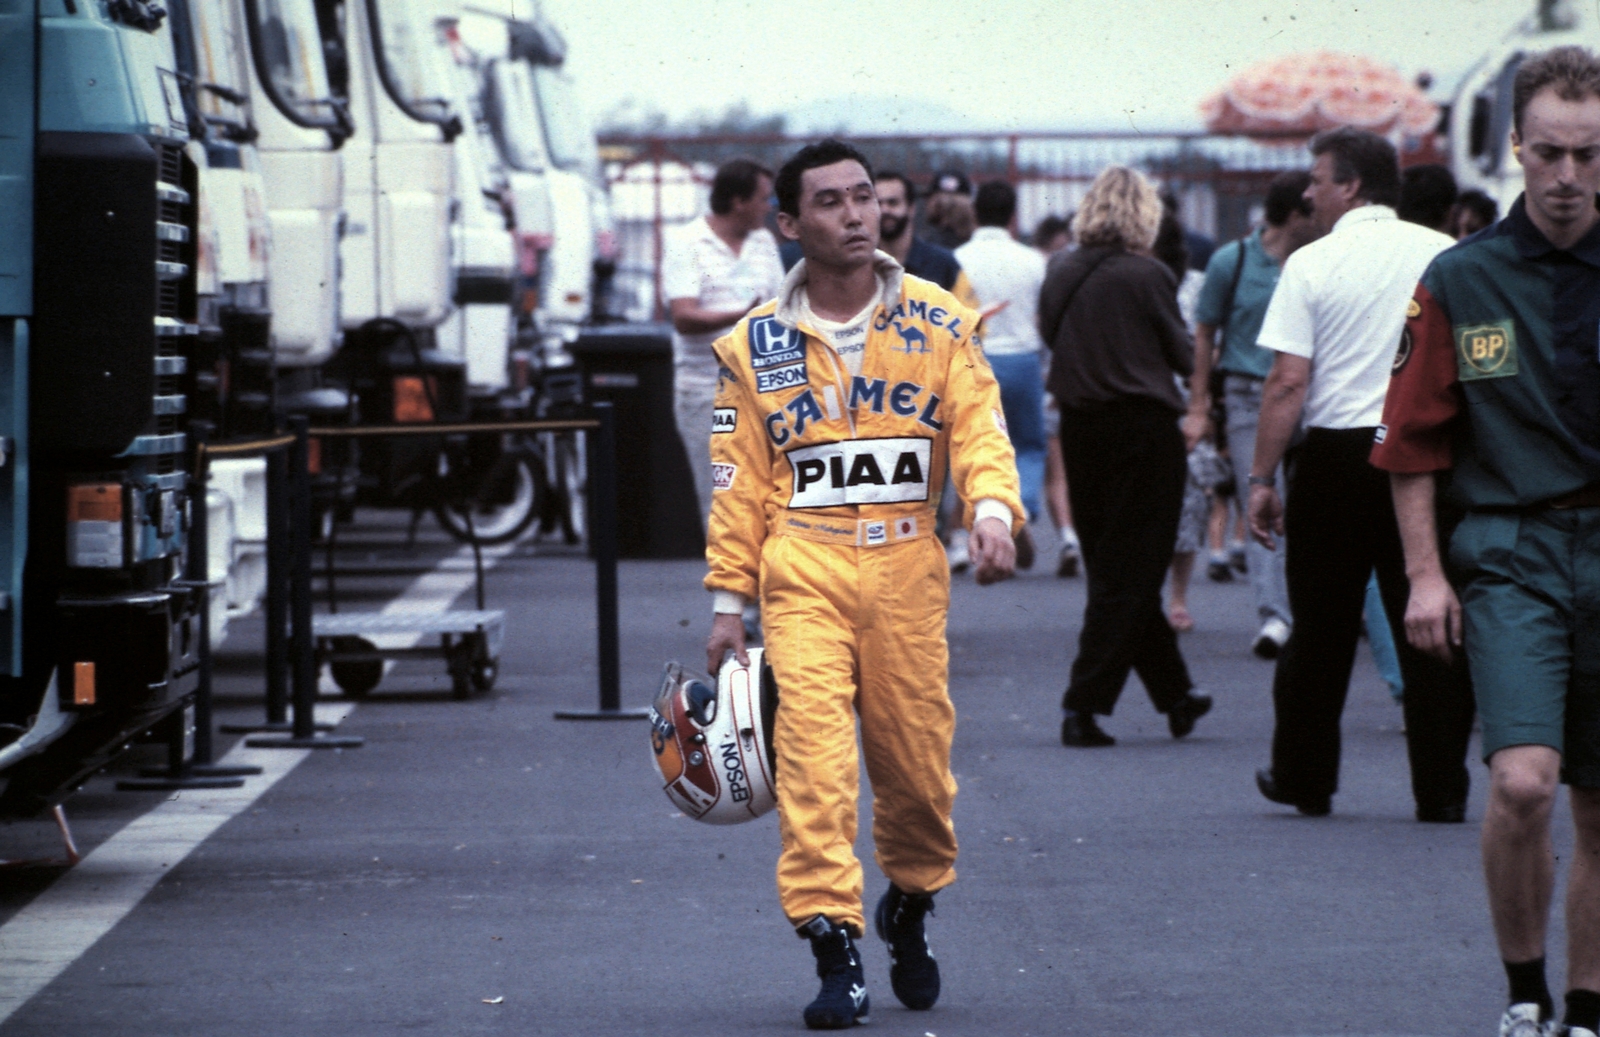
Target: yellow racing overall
pixel 825 494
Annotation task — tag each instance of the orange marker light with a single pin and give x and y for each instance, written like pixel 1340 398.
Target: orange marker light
pixel 411 398
pixel 94 502
pixel 83 684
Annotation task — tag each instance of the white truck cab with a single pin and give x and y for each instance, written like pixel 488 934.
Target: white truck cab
pixel 1481 111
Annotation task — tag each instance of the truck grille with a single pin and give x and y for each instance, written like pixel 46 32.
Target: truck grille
pixel 177 221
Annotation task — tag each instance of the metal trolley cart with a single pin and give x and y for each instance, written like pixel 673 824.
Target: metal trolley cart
pixel 469 643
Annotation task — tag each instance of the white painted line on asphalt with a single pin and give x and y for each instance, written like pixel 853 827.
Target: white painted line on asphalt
pixel 64 921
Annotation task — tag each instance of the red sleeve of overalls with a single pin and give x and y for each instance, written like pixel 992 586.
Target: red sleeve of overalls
pixel 1424 396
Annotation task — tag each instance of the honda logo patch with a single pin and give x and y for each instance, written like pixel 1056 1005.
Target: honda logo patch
pixel 860 471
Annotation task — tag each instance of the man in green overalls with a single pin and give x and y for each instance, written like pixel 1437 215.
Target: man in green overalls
pixel 1495 402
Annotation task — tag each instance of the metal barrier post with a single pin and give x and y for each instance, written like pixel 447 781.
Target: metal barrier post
pixel 196 772
pixel 277 603
pixel 603 534
pixel 304 734
pixel 276 606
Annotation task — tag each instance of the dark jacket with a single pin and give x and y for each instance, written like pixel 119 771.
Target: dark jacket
pixel 1112 323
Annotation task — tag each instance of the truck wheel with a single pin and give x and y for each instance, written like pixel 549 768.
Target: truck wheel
pixel 355 677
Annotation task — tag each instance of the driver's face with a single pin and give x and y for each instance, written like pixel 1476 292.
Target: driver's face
pixel 838 223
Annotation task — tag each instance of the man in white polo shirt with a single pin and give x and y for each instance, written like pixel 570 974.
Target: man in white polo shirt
pixel 1335 321
pixel 716 269
pixel 1006 276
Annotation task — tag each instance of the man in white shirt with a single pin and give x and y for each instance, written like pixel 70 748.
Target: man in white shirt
pixel 715 270
pixel 1335 321
pixel 1006 276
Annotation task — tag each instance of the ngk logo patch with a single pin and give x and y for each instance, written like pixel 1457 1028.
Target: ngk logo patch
pixel 860 471
pixel 722 476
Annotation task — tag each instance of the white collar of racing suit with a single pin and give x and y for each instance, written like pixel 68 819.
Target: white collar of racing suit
pixel 889 272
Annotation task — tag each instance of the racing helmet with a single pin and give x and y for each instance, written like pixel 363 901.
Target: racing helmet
pixel 713 746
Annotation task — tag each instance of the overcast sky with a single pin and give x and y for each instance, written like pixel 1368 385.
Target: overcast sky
pixel 1002 64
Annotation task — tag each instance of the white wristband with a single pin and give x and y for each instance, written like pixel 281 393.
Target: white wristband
pixel 989 507
pixel 725 603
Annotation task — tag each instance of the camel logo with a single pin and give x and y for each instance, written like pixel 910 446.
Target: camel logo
pixel 912 340
pixel 1486 351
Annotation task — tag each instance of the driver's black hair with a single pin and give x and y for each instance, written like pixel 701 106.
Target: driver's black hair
pixel 812 156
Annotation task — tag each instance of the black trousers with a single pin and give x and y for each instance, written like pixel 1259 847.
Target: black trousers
pixel 1125 473
pixel 1340 526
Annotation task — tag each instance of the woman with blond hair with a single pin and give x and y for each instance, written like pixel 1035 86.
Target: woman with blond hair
pixel 1109 312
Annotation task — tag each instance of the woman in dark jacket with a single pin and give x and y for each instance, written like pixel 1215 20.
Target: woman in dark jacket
pixel 1110 315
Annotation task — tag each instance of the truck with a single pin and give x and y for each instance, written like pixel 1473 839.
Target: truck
pixel 99 631
pixel 1479 119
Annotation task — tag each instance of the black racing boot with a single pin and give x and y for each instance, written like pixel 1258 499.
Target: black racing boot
pixel 913 974
pixel 842 1002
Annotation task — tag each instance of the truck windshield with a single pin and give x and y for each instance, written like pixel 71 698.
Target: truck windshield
pixel 212 50
pixel 407 58
pixel 566 130
pixel 287 51
pixel 514 116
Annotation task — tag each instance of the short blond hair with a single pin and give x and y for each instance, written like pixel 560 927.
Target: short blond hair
pixel 1121 208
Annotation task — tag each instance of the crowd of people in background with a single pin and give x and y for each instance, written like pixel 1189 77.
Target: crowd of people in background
pixel 1393 389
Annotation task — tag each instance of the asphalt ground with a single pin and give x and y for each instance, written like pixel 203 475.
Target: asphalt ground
pixel 481 868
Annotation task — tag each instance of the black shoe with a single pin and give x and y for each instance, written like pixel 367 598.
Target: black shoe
pixel 842 1002
pixel 1313 806
pixel 1067 565
pixel 1025 551
pixel 1082 730
pixel 1219 571
pixel 913 973
pixel 1448 814
pixel 1181 717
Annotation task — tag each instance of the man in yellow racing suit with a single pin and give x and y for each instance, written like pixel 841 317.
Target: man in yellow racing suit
pixel 838 410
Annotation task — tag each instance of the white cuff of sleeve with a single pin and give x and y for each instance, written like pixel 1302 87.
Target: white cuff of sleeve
pixel 727 602
pixel 991 508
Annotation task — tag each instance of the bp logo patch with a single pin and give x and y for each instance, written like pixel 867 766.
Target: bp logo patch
pixel 1486 351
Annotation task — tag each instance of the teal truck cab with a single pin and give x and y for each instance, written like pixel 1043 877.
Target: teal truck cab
pixel 98 232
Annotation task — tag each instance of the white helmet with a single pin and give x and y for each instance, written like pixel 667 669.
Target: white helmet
pixel 714 748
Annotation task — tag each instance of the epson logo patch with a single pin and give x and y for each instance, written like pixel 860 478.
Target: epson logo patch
pixel 781 378
pixel 724 419
pixel 860 471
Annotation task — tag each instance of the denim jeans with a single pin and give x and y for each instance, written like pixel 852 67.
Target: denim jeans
pixel 1022 397
pixel 1242 400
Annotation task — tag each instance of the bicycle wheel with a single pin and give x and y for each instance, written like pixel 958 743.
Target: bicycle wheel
pixel 505 502
pixel 571 478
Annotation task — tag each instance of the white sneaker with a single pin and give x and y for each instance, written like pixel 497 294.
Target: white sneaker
pixel 1575 1031
pixel 1270 641
pixel 957 552
pixel 1522 1020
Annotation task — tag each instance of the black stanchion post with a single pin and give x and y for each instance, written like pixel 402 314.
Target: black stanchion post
pixel 302 645
pixel 603 534
pixel 276 605
pixel 196 772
